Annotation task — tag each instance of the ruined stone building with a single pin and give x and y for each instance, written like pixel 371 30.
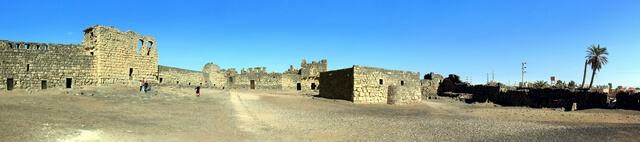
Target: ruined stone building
pixel 105 56
pixel 368 85
pixel 211 76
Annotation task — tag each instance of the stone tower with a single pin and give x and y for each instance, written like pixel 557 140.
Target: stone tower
pixel 121 57
pixel 313 69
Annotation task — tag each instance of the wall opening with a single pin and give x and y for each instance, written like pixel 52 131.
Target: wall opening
pixel 17 46
pixel 140 43
pixel 44 84
pixel 28 67
pixel 149 44
pixel 177 82
pixel 160 80
pixel 91 53
pixel 69 82
pixel 401 82
pixel 9 84
pixel 313 86
pixel 253 84
pixel 381 82
pixel 37 47
pixel 130 72
pixel 189 83
pixel 45 47
pixel 26 46
pixel 299 86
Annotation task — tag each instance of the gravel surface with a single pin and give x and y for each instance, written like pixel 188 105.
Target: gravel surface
pixel 173 114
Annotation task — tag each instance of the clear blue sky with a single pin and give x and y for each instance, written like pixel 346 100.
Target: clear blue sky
pixel 465 37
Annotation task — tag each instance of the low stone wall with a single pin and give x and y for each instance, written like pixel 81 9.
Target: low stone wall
pixel 403 95
pixel 627 100
pixel 531 97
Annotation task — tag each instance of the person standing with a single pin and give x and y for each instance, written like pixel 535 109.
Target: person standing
pixel 141 83
pixel 198 91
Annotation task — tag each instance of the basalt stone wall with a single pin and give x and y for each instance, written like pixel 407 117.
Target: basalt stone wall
pixel 30 65
pixel 533 97
pixel 429 85
pixel 371 85
pixel 337 84
pixel 403 94
pixel 628 100
pixel 171 76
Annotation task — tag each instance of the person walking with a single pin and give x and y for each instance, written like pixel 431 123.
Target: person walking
pixel 198 91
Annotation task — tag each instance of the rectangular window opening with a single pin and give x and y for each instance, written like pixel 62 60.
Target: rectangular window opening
pixel 313 86
pixel 28 67
pixel 160 80
pixel 10 84
pixel 402 82
pixel 26 46
pixel 381 82
pixel 69 82
pixel 44 84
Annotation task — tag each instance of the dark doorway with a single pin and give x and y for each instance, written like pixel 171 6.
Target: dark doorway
pixel 299 86
pixel 69 82
pixel 160 80
pixel 253 84
pixel 313 86
pixel 402 82
pixel 44 84
pixel 130 72
pixel 9 84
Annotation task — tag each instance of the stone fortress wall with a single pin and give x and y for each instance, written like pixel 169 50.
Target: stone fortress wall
pixel 171 76
pixel 106 56
pixel 368 85
pixel 257 78
pixel 30 65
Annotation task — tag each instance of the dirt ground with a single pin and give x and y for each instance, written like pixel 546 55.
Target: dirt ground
pixel 174 114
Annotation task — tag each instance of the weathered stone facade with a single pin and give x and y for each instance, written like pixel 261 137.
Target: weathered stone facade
pixel 106 56
pixel 121 57
pixel 429 85
pixel 367 85
pixel 258 78
pixel 170 76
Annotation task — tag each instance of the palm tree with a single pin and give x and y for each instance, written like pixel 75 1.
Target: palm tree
pixel 540 84
pixel 596 56
pixel 586 62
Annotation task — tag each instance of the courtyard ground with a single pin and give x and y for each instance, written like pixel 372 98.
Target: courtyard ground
pixel 175 114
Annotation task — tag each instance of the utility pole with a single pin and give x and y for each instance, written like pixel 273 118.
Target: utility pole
pixel 523 71
pixel 493 76
pixel 487 78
